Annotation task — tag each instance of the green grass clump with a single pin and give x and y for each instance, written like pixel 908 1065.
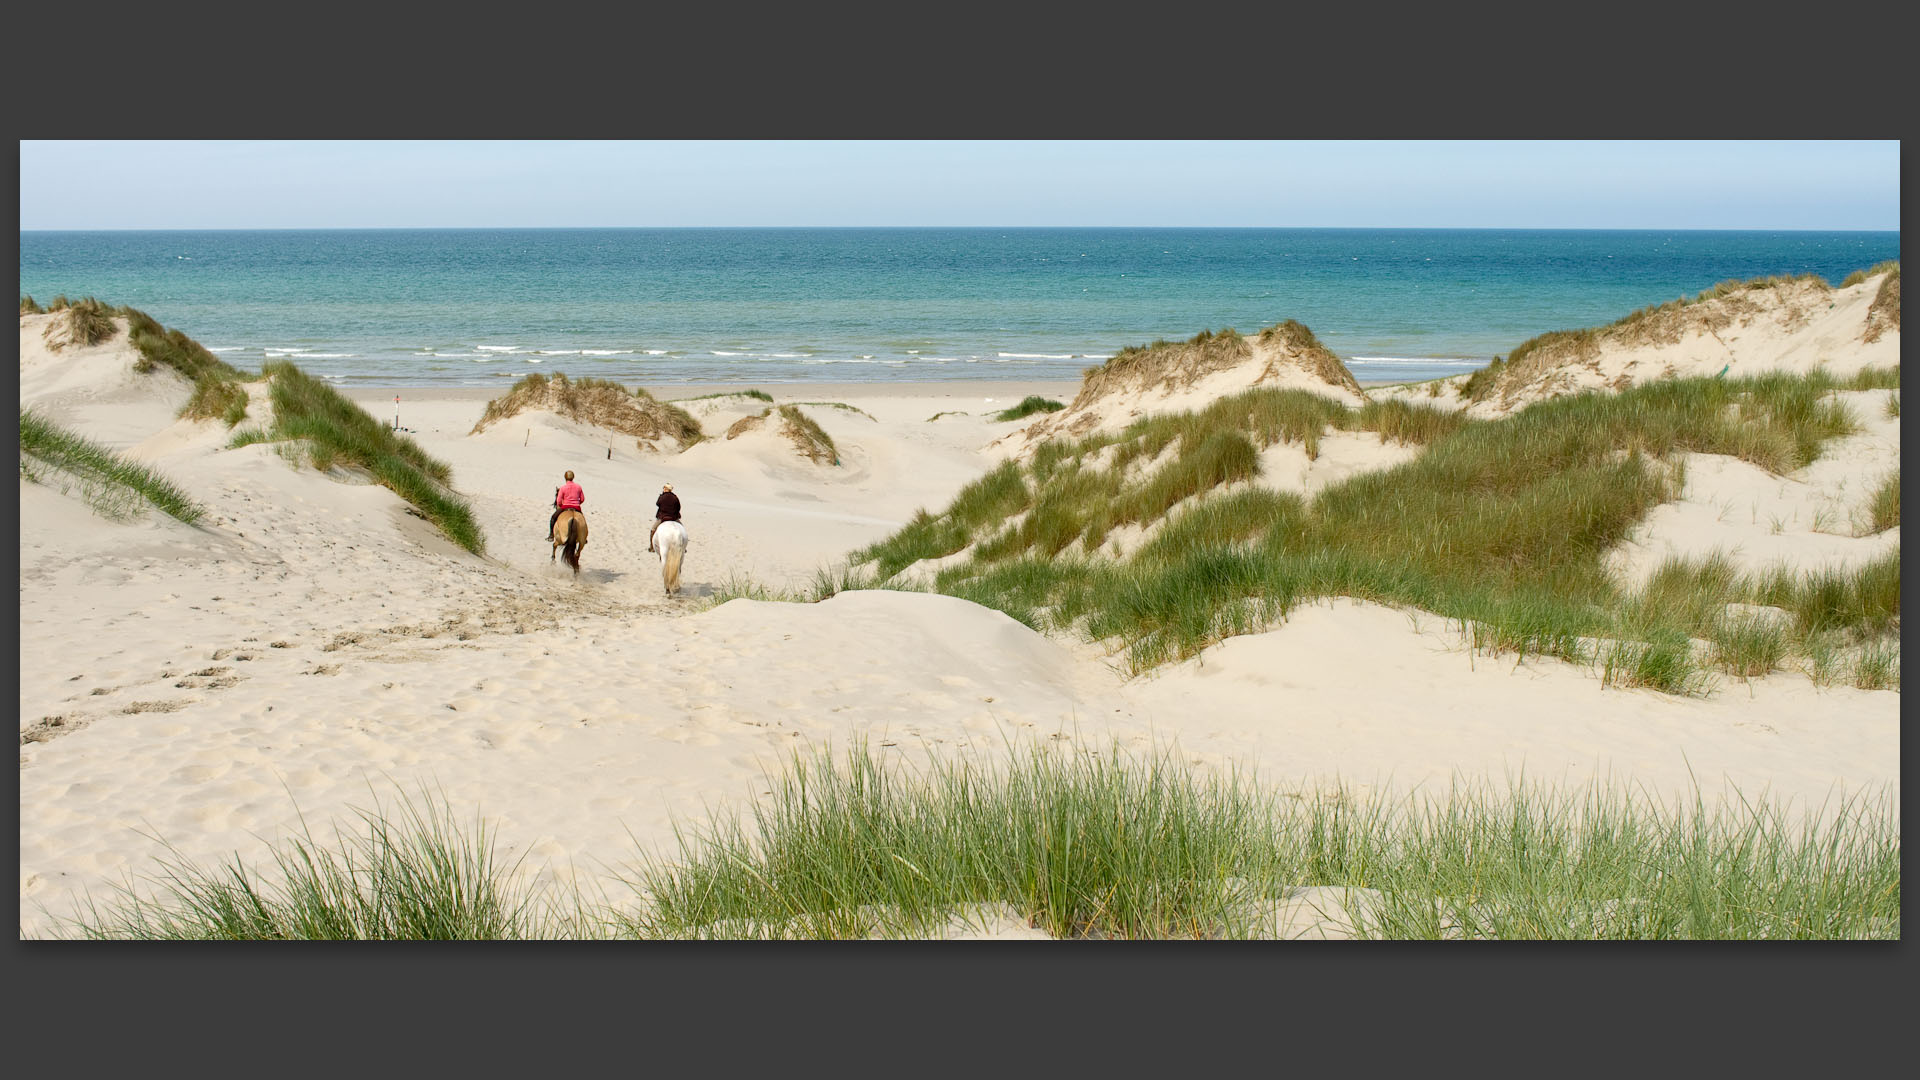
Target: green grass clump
pixel 1401 421
pixel 1081 844
pixel 1031 404
pixel 982 503
pixel 1877 666
pixel 950 412
pixel 217 399
pixel 1885 507
pixel 29 307
pixel 1749 647
pixel 247 437
pixel 740 586
pixel 1479 385
pixel 111 484
pixel 1864 601
pixel 811 439
pixel 419 877
pixel 217 393
pixel 87 322
pixel 336 431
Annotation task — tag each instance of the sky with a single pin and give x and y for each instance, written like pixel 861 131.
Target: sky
pixel 1575 185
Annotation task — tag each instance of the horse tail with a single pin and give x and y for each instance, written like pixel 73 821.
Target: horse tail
pixel 571 553
pixel 670 562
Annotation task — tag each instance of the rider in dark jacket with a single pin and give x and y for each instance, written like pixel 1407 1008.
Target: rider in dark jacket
pixel 666 508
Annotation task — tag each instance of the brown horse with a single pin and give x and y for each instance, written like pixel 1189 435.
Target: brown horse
pixel 569 538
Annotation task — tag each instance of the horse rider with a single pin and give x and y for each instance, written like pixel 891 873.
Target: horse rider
pixel 567 496
pixel 666 508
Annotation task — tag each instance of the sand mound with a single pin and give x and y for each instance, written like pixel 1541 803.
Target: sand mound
pixel 799 431
pixel 1744 328
pixel 97 387
pixel 1180 376
pixel 599 404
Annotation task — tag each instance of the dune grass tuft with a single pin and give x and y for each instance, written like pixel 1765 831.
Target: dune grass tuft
pixel 419 875
pixel 1885 507
pixel 808 436
pixel 110 483
pixel 29 307
pixel 599 402
pixel 334 430
pixel 217 393
pixel 87 322
pixel 1402 421
pixel 1480 384
pixel 1029 405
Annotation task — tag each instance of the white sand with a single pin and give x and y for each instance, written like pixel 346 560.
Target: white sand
pixel 312 644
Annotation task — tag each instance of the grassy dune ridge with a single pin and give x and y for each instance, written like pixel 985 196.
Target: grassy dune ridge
pixel 600 402
pixel 1665 323
pixel 1082 844
pixel 334 430
pixel 1029 405
pixel 328 428
pixel 217 389
pixel 1498 524
pixel 110 483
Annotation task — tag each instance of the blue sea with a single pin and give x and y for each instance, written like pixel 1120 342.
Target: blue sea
pixel 455 307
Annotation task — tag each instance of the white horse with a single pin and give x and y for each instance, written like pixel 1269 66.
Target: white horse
pixel 671 542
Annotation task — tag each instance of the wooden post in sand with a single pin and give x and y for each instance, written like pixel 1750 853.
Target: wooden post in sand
pixel 529 437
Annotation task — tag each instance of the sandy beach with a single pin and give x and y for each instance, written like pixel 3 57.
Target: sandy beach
pixel 313 644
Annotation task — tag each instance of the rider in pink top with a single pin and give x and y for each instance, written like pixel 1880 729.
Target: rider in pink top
pixel 567 496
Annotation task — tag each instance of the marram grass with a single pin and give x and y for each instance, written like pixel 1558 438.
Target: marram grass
pixel 217 393
pixel 113 485
pixel 1502 525
pixel 1031 404
pixel 1100 844
pixel 417 875
pixel 333 430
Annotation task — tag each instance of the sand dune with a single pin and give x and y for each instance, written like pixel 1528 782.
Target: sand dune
pixel 312 643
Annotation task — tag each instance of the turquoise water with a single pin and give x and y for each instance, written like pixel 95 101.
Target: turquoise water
pixel 749 306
